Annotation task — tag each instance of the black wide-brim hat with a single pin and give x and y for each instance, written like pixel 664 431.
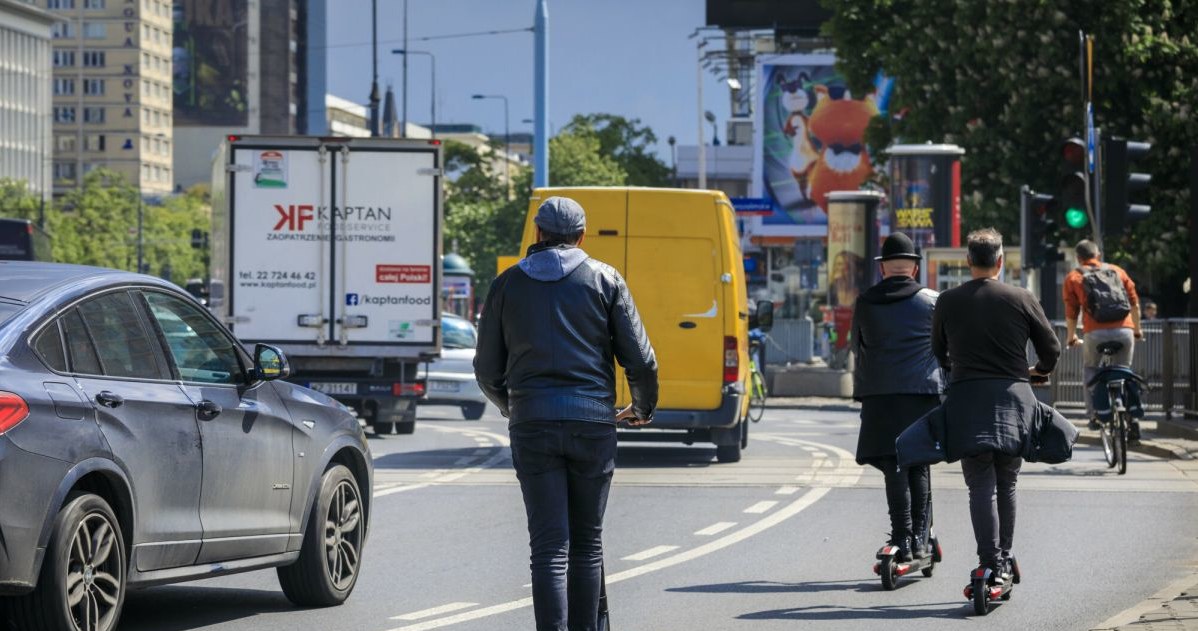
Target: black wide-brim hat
pixel 898 246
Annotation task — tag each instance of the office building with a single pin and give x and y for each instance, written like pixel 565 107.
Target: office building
pixel 25 80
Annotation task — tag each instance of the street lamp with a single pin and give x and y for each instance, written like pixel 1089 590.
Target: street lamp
pixel 507 138
pixel 715 133
pixel 433 60
pixel 673 160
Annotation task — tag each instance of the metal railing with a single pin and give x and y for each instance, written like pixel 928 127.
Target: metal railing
pixel 1166 357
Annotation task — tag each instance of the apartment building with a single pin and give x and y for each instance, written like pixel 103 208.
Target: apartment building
pixel 25 80
pixel 112 93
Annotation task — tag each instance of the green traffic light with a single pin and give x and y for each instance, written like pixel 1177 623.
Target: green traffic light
pixel 1076 218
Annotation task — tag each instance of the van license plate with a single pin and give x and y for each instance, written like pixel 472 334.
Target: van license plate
pixel 335 388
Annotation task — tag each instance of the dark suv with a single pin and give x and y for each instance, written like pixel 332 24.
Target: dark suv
pixel 140 444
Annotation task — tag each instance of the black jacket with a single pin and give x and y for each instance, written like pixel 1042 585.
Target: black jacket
pixel 892 340
pixel 550 329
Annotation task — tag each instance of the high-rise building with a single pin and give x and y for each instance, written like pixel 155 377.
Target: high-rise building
pixel 112 91
pixel 25 81
pixel 245 67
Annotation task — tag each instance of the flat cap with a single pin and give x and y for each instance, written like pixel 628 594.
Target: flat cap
pixel 561 215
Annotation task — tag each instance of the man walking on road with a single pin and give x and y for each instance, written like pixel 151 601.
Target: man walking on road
pixel 549 331
pixel 897 379
pixel 1106 297
pixel 980 332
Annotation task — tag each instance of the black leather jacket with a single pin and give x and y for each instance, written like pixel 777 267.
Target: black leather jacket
pixel 550 329
pixel 892 340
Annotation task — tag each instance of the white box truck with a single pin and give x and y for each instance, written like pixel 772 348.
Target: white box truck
pixel 330 249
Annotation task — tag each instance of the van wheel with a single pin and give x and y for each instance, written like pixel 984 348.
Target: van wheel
pixel 380 428
pixel 408 427
pixel 728 453
pixel 331 554
pixel 473 411
pixel 82 583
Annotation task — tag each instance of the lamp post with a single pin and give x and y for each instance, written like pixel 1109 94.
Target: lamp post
pixel 433 60
pixel 673 160
pixel 374 65
pixel 507 138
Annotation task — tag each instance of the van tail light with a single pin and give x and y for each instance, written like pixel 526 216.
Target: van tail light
pixel 13 410
pixel 414 389
pixel 731 360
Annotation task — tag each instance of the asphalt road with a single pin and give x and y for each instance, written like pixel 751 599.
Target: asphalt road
pixel 787 535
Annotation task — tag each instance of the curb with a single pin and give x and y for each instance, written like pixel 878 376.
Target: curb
pixel 828 407
pixel 1155 610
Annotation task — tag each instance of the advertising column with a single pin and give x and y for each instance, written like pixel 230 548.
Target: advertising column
pixel 925 194
pixel 852 243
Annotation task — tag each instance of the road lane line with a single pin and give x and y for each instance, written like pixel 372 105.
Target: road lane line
pixel 715 529
pixel 787 490
pixel 761 507
pixel 435 611
pixel 655 551
pixel 757 527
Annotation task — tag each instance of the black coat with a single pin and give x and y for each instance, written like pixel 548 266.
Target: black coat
pixel 892 341
pixel 984 415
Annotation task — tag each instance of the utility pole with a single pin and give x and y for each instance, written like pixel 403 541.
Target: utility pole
pixel 699 105
pixel 540 145
pixel 403 126
pixel 374 56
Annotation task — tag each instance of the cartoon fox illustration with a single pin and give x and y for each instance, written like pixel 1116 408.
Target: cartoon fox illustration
pixel 795 100
pixel 836 129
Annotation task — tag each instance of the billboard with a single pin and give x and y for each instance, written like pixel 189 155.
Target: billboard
pixel 210 62
pixel 810 137
pixel 805 15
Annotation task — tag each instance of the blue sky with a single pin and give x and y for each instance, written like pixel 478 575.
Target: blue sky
pixel 626 57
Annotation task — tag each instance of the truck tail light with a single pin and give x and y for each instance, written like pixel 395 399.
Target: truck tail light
pixel 13 410
pixel 731 359
pixel 414 389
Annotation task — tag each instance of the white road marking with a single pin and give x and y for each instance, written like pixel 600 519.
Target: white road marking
pixel 495 459
pixel 650 553
pixel 787 490
pixel 757 527
pixel 819 454
pixel 435 611
pixel 761 507
pixel 715 529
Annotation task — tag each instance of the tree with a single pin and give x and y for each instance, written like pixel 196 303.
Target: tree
pixel 1001 80
pixel 98 222
pixel 627 143
pixel 17 201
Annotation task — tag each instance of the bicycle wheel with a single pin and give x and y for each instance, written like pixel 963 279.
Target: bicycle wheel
pixel 1121 442
pixel 756 396
pixel 1108 444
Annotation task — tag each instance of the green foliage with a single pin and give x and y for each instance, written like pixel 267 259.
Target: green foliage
pixel 1001 79
pixel 627 143
pixel 96 224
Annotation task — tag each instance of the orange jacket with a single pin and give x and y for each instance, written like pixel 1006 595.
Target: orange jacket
pixel 1075 298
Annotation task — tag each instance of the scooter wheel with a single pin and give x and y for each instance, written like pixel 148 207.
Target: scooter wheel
pixel 889 573
pixel 981 598
pixel 927 571
pixel 1006 595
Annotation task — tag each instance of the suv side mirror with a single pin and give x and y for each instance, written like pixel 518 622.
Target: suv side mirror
pixel 270 363
pixel 765 315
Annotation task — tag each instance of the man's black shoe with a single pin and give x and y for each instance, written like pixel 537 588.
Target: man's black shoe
pixel 1133 433
pixel 1094 425
pixel 904 548
pixel 920 548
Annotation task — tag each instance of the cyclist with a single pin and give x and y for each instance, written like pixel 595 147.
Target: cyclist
pixel 897 379
pixel 1106 298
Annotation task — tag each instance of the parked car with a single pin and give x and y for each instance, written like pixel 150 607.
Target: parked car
pixel 140 444
pixel 451 377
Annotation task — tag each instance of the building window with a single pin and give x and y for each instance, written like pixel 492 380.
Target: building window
pixel 93 115
pixel 64 170
pixel 95 30
pixel 65 143
pixel 94 143
pixel 93 58
pixel 93 87
pixel 63 30
pixel 64 87
pixel 88 167
pixel 63 58
pixel 61 4
pixel 94 5
pixel 64 114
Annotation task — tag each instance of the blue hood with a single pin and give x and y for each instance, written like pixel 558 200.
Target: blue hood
pixel 553 263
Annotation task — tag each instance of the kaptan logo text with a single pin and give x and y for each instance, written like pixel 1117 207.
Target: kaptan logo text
pixel 397 300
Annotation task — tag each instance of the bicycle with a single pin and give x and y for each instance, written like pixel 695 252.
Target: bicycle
pixel 1115 429
pixel 757 388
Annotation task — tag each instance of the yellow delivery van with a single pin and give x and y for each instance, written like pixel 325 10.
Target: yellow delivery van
pixel 679 251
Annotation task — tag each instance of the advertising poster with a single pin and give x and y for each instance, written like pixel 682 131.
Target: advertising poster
pixel 209 62
pixel 846 271
pixel 811 137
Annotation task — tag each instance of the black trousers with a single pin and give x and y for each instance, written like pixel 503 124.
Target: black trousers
pixel 991 479
pixel 907 492
pixel 565 470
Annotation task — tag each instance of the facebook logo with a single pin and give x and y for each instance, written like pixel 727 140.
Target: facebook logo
pixel 351 300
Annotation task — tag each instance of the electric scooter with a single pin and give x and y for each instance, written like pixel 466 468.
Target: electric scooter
pixel 983 593
pixel 891 569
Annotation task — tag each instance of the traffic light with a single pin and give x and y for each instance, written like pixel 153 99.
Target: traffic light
pixel 1119 183
pixel 1042 233
pixel 1073 189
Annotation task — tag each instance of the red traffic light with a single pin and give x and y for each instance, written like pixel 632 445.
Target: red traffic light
pixel 1074 152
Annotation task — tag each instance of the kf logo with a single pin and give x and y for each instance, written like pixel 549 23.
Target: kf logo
pixel 351 300
pixel 294 217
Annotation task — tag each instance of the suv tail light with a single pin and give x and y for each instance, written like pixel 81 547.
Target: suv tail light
pixel 13 410
pixel 731 360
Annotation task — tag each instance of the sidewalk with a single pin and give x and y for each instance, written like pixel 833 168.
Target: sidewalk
pixel 1174 608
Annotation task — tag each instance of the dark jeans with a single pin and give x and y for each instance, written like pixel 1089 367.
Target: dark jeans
pixel 907 493
pixel 565 470
pixel 991 479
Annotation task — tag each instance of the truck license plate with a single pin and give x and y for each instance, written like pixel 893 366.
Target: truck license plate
pixel 443 386
pixel 335 388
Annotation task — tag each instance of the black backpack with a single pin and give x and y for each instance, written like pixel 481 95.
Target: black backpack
pixel 1106 299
